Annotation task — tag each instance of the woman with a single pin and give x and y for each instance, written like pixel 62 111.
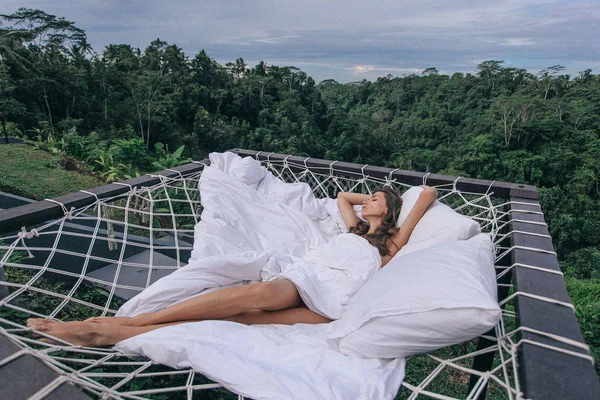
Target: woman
pixel 275 301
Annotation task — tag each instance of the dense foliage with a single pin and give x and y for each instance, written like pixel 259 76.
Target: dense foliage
pixel 120 110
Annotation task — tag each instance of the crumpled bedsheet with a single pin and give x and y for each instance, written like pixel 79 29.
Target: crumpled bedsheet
pixel 251 225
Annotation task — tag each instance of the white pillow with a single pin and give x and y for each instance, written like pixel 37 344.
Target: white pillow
pixel 440 224
pixel 422 301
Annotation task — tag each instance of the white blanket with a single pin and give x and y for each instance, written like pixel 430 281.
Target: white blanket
pixel 254 226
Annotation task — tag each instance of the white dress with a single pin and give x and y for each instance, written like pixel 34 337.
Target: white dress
pixel 327 277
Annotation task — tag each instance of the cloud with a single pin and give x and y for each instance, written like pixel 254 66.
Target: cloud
pixel 518 42
pixel 349 40
pixel 361 69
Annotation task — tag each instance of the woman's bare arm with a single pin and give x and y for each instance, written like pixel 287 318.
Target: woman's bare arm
pixel 426 197
pixel 345 202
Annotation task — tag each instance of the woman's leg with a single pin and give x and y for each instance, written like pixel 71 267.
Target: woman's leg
pixel 84 333
pixel 268 296
pixel 291 316
pixel 92 334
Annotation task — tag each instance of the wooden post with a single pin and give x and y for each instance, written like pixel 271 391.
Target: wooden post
pixel 4 128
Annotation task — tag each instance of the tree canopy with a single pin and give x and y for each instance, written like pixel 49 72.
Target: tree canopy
pixel 500 122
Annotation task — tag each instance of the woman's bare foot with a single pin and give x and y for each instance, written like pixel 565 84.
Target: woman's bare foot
pixel 77 333
pixel 82 333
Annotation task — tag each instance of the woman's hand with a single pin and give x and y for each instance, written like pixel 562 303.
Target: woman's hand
pixel 345 202
pixel 429 191
pixel 426 197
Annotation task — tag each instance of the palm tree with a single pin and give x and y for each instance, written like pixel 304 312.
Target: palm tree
pixel 10 41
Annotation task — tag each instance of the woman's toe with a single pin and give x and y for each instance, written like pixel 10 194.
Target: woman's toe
pixel 37 324
pixel 32 322
pixel 48 341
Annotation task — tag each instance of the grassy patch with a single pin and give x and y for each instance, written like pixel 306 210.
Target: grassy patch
pixel 37 174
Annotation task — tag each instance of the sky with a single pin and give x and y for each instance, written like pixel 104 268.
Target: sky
pixel 350 40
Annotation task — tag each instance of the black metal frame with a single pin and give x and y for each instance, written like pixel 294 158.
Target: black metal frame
pixel 546 374
pixel 543 373
pixel 8 200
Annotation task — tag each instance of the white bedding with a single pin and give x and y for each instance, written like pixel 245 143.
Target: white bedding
pixel 255 226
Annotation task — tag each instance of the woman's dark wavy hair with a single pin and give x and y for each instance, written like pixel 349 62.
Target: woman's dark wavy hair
pixel 387 229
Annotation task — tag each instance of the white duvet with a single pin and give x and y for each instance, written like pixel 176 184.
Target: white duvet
pixel 254 227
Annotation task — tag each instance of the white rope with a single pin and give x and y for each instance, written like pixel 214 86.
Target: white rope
pixel 526 211
pixel 388 180
pixel 285 162
pixel 14 355
pixel 362 171
pixel 503 236
pixel 425 178
pixel 49 388
pixel 177 172
pixel 23 234
pixel 331 168
pixel 536 297
pixel 305 160
pixel 122 211
pixel 558 338
pixel 487 192
pixel 163 179
pixel 554 348
pixel 127 184
pixel 547 270
pixel 91 193
pixel 454 184
pixel 511 202
pixel 68 213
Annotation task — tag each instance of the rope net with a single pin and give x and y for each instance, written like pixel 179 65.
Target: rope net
pixel 86 263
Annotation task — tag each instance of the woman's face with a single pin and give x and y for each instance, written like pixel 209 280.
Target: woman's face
pixel 375 206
